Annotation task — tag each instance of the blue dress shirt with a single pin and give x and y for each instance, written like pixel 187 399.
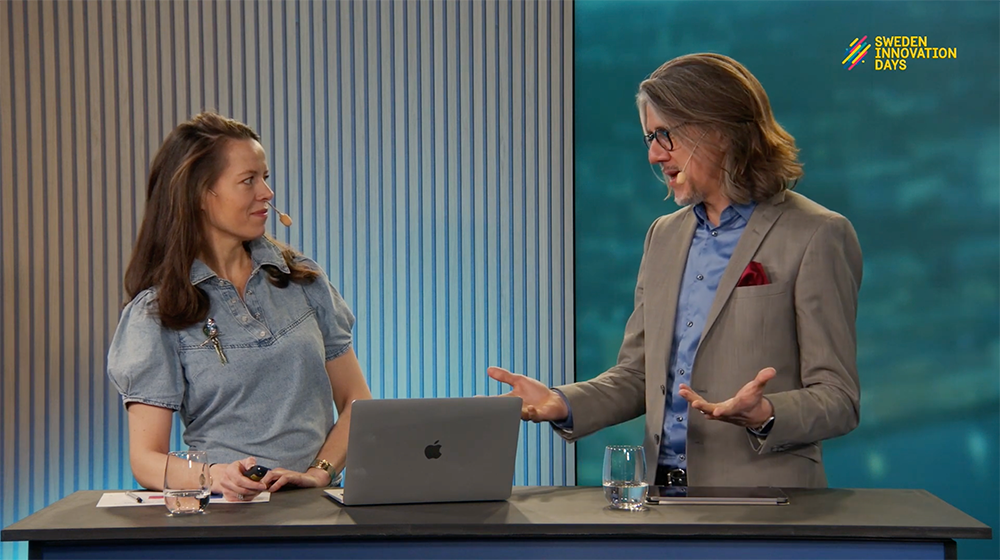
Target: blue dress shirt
pixel 711 248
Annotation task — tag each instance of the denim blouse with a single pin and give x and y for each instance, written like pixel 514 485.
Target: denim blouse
pixel 273 399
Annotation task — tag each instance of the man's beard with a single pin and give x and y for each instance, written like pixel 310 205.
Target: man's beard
pixel 692 197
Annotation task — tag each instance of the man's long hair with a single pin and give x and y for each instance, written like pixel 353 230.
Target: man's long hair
pixel 713 92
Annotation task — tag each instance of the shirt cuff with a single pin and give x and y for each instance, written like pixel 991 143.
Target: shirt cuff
pixel 567 424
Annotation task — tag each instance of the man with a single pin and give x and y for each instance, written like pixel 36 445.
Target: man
pixel 741 349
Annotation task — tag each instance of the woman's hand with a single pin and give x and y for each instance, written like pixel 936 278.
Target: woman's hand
pixel 276 479
pixel 231 481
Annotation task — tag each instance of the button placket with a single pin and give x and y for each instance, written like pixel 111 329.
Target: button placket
pixel 245 312
pixel 254 313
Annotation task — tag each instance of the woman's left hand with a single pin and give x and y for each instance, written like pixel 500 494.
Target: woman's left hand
pixel 278 478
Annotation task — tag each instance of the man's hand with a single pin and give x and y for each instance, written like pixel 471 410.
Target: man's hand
pixel 747 408
pixel 538 402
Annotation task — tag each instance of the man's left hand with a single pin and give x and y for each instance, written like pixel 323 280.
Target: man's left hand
pixel 747 408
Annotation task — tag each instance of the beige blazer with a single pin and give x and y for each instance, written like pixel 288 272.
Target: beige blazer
pixel 802 324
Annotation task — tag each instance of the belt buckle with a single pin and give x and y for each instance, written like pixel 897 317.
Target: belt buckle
pixel 677 477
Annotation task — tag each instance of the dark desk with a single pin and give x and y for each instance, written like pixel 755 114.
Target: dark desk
pixel 537 522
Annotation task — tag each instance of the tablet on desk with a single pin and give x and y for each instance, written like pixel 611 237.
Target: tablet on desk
pixel 715 495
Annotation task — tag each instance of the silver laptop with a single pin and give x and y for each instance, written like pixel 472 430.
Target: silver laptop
pixel 407 451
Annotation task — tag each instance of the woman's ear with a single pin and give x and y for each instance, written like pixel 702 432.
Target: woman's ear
pixel 203 205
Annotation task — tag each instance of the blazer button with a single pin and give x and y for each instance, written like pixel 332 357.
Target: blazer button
pixel 656 439
pixel 663 389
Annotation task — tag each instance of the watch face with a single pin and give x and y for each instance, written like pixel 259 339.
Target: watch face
pixel 323 464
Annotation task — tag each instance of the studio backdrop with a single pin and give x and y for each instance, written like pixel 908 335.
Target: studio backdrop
pixel 424 150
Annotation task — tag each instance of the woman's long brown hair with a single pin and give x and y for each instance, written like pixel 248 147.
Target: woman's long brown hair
pixel 190 161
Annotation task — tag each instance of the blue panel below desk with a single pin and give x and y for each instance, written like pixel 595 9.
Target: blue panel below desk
pixel 598 549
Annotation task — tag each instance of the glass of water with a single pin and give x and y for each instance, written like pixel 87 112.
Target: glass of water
pixel 625 485
pixel 187 484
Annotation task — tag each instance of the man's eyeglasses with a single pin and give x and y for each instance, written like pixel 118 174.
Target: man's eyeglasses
pixel 662 137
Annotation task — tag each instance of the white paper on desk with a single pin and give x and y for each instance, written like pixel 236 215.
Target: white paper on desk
pixel 119 499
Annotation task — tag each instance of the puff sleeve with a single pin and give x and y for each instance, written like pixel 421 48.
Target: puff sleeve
pixel 144 360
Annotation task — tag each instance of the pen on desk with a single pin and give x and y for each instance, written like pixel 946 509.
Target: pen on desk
pixel 134 497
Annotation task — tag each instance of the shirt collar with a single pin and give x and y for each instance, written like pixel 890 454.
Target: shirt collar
pixel 263 251
pixel 742 210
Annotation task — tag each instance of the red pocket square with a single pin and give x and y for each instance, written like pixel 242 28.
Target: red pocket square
pixel 754 275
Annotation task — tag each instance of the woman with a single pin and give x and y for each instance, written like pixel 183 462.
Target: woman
pixel 245 338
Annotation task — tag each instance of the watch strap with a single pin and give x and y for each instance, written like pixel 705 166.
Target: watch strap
pixel 326 466
pixel 765 429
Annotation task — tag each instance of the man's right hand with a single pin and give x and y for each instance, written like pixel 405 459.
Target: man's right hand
pixel 538 402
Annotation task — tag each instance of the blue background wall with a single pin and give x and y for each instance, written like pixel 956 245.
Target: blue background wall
pixel 910 157
pixel 423 149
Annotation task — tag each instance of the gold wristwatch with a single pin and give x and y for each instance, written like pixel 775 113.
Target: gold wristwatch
pixel 326 466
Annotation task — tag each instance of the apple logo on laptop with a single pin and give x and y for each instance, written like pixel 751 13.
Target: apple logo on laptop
pixel 433 451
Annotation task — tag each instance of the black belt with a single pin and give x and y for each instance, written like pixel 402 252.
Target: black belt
pixel 666 476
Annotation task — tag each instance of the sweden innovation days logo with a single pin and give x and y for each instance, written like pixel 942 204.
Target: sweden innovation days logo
pixel 894 52
pixel 855 52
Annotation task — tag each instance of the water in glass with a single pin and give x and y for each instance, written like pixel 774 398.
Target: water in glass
pixel 626 495
pixel 187 484
pixel 625 485
pixel 186 501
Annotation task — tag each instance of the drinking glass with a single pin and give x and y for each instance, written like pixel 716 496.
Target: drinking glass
pixel 187 484
pixel 625 485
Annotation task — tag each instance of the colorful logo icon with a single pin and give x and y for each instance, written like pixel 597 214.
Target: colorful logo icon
pixel 856 52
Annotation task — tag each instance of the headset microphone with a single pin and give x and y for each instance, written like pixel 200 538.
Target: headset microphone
pixel 682 177
pixel 285 219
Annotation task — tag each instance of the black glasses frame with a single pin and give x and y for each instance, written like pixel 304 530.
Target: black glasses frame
pixel 662 137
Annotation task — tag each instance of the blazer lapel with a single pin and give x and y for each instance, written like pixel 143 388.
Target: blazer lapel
pixel 763 217
pixel 663 283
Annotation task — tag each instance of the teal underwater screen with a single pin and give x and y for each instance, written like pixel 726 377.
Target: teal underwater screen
pixel 895 107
